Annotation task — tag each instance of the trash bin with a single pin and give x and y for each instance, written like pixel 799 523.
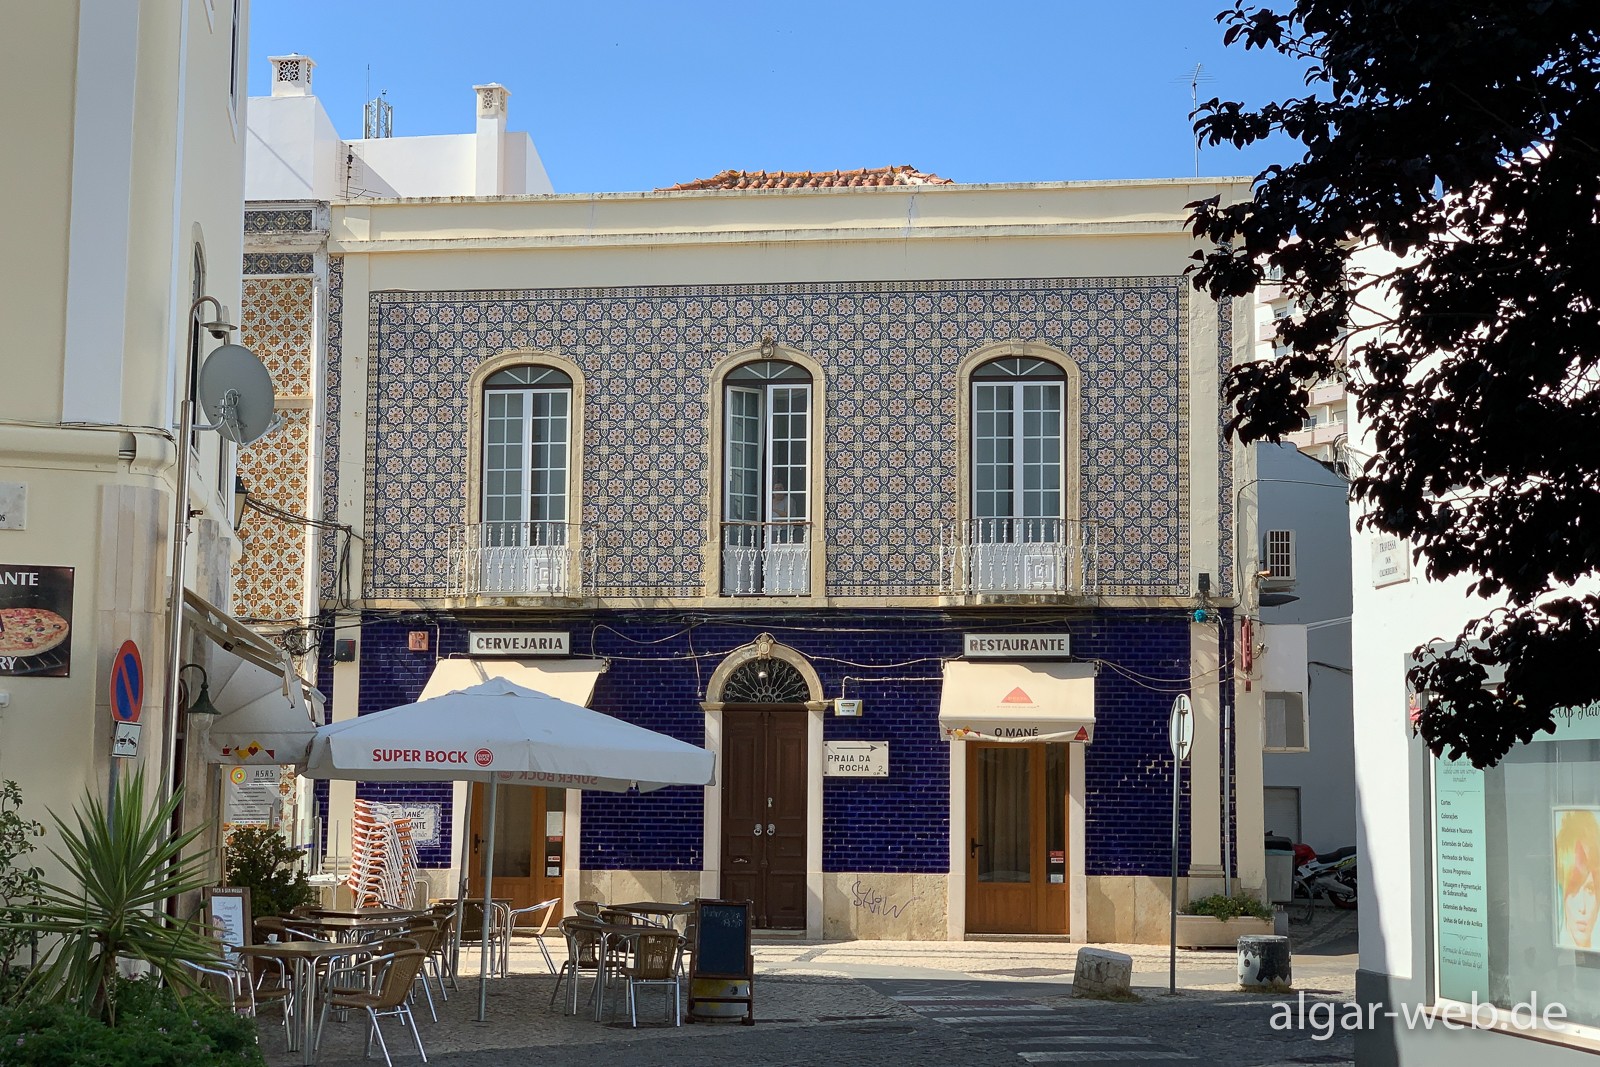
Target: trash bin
pixel 1280 869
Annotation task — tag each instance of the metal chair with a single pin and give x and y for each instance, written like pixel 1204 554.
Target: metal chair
pixel 584 940
pixel 656 960
pixel 428 933
pixel 549 907
pixel 230 982
pixel 386 992
pixel 471 932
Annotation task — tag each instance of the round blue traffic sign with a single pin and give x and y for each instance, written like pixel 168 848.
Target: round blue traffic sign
pixel 127 683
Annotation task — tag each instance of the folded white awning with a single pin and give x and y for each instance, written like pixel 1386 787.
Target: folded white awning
pixel 1018 702
pixel 269 714
pixel 571 680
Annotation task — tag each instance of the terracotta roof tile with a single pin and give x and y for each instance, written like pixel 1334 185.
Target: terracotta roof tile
pixel 806 179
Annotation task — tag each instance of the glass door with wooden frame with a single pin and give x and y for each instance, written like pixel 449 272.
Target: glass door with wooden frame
pixel 1017 838
pixel 529 840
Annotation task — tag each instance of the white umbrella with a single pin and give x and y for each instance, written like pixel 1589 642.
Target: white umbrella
pixel 500 732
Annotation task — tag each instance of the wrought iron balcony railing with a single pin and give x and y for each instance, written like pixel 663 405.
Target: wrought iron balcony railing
pixel 766 558
pixel 1038 556
pixel 516 559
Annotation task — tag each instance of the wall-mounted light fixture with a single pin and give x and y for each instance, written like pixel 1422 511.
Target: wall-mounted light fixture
pixel 241 502
pixel 201 705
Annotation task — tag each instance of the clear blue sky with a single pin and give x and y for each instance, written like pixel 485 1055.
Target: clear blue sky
pixel 623 95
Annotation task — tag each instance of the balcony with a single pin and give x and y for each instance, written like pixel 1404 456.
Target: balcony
pixel 516 559
pixel 1029 557
pixel 766 558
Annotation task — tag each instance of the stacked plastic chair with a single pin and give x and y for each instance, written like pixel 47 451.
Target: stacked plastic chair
pixel 378 858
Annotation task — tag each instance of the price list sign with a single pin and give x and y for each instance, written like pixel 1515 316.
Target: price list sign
pixel 1463 906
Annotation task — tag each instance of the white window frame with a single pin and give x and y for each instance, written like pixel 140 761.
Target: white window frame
pixel 785 553
pixel 525 445
pixel 1276 735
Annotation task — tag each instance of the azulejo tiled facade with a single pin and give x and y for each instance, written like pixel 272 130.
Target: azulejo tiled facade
pixel 256 263
pixel 889 353
pixel 328 561
pixel 277 324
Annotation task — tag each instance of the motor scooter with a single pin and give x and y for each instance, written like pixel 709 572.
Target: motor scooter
pixel 1331 875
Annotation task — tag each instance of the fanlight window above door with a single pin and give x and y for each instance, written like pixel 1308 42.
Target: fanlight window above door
pixel 766 681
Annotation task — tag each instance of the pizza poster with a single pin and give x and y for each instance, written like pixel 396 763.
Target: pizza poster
pixel 35 621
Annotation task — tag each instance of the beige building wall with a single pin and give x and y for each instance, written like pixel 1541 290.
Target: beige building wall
pixel 125 122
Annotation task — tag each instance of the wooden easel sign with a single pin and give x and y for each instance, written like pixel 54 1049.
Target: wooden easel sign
pixel 722 957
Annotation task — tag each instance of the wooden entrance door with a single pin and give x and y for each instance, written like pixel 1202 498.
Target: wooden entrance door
pixel 763 770
pixel 529 834
pixel 1017 838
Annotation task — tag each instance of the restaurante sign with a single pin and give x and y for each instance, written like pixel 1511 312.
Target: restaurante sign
pixel 1012 646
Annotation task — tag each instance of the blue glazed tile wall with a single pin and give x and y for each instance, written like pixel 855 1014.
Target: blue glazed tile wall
pixel 660 663
pixel 889 353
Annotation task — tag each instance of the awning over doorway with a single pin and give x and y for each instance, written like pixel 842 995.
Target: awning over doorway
pixel 269 714
pixel 571 680
pixel 1018 702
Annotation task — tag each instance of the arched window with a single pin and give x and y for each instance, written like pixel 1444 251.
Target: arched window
pixel 527 425
pixel 1018 466
pixel 766 479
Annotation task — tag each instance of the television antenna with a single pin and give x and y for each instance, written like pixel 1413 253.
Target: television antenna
pixel 1194 79
pixel 235 391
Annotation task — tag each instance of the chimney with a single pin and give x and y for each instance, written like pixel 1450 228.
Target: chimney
pixel 491 170
pixel 291 75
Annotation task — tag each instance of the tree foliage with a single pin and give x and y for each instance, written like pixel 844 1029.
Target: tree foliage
pixel 259 857
pixel 1437 239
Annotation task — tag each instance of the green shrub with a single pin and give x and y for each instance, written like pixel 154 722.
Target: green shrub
pixel 259 857
pixel 1224 907
pixel 19 883
pixel 154 1029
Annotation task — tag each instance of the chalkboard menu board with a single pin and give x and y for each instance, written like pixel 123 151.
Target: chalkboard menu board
pixel 723 970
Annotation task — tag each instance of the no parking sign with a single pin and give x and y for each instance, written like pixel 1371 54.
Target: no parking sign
pixel 127 700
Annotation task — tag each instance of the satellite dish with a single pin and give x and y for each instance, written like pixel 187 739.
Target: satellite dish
pixel 235 391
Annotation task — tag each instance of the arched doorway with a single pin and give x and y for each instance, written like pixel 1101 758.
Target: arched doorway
pixel 766 709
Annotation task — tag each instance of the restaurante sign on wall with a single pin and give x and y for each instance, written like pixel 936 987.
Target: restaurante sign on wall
pixel 517 643
pixel 1011 646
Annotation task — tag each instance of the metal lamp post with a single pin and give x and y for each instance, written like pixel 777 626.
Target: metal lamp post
pixel 218 328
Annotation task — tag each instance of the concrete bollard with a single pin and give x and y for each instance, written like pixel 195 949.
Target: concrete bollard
pixel 1101 973
pixel 1264 964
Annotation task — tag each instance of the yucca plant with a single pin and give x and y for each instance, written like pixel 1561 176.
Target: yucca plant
pixel 122 864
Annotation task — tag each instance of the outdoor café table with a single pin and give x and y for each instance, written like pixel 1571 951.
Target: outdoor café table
pixel 364 913
pixel 351 929
pixel 305 956
pixel 647 909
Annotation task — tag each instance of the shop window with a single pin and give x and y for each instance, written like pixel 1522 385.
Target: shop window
pixel 1516 851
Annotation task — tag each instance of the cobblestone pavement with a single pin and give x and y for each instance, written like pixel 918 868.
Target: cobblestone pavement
pixel 893 1004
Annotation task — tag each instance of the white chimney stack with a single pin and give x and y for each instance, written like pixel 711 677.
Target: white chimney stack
pixel 491 169
pixel 291 75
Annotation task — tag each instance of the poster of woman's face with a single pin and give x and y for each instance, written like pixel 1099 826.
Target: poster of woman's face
pixel 1577 891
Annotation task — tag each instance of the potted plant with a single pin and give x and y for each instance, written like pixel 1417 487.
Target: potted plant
pixel 122 863
pixel 259 858
pixel 1218 921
